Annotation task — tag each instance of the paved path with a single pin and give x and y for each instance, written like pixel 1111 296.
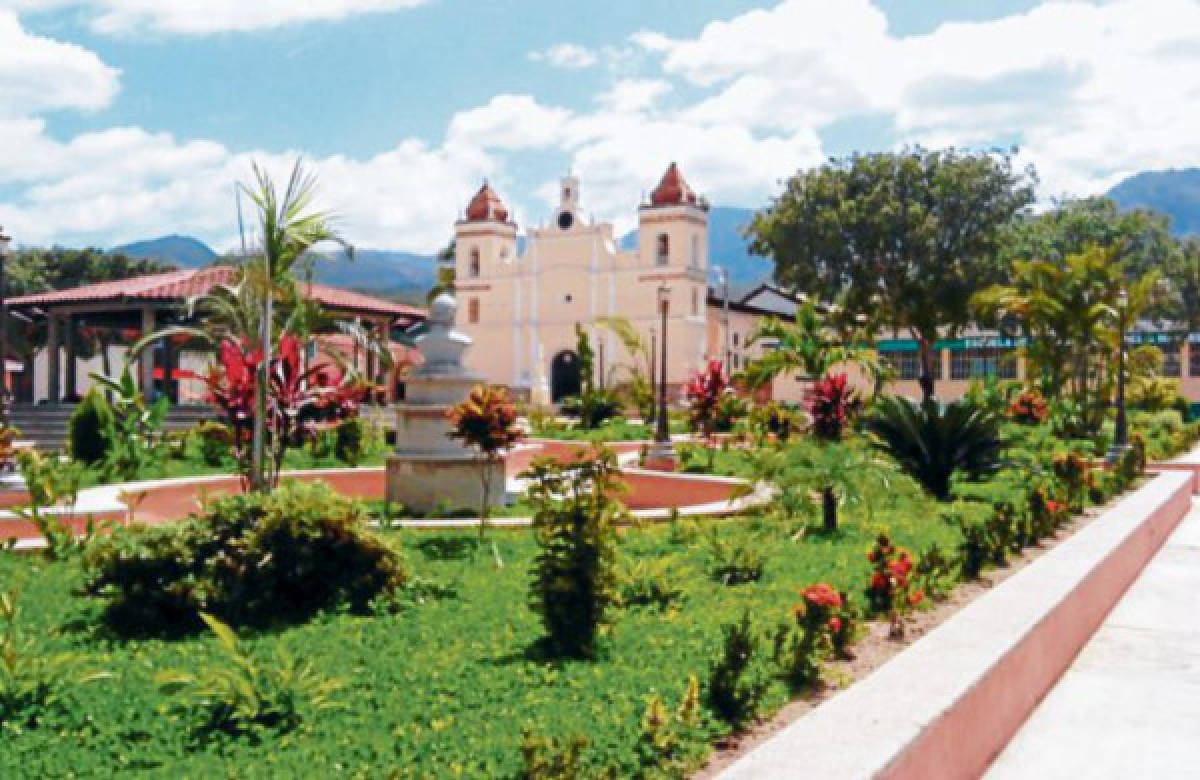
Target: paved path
pixel 1129 706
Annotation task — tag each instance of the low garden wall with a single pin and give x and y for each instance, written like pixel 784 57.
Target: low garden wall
pixel 948 704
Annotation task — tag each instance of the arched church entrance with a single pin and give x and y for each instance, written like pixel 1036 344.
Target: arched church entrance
pixel 564 375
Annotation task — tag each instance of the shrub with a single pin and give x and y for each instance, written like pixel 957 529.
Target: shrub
pixel 1073 470
pixel 821 627
pixel 891 590
pixel 1028 408
pixel 830 402
pixel 487 423
pixel 736 682
pixel 53 482
pixel 981 542
pixel 239 694
pixel 932 441
pixel 215 440
pixel 573 576
pixel 89 427
pixel 737 555
pixel 660 748
pixel 934 573
pixel 350 436
pixel 730 409
pixel 247 559
pixel 648 582
pixel 704 390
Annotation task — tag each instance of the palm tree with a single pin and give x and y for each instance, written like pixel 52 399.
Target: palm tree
pixel 806 347
pixel 843 473
pixel 639 369
pixel 288 229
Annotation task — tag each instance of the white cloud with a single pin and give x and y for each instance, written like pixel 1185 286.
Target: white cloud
pixel 571 56
pixel 199 17
pixel 630 95
pixel 1092 91
pixel 37 74
pixel 508 122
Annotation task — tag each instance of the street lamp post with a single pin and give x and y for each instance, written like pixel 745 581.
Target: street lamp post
pixel 653 369
pixel 1121 429
pixel 723 277
pixel 4 244
pixel 662 454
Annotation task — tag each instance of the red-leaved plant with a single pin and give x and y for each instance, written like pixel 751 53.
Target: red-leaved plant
pixel 704 392
pixel 831 401
pixel 1028 408
pixel 487 422
pixel 891 590
pixel 297 399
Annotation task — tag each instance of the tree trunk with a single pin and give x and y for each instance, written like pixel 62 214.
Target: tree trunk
pixel 926 354
pixel 829 508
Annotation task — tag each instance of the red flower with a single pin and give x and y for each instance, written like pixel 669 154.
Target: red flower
pixel 835 624
pixel 878 581
pixel 823 595
pixel 916 597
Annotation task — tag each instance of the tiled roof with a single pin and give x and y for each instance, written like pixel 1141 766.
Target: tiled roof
pixel 673 190
pixel 486 206
pixel 188 283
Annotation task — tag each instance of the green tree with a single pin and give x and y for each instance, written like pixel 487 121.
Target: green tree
pixel 1068 313
pixel 638 369
pixel 808 347
pixel 912 233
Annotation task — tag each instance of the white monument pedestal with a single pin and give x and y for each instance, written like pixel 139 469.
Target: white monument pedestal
pixel 429 468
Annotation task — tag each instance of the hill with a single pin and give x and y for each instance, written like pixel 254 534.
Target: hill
pixel 408 275
pixel 1173 192
pixel 183 251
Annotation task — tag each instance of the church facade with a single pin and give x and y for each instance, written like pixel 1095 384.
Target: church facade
pixel 521 304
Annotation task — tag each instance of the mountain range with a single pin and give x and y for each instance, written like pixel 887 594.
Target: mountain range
pixel 407 275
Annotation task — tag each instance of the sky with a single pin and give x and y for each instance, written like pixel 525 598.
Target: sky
pixel 129 119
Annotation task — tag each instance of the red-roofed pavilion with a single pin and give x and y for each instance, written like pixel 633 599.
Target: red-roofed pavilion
pixel 144 304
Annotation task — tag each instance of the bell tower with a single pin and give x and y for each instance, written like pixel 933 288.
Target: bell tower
pixel 568 206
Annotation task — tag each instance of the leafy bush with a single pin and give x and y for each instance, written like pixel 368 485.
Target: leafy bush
pixel 659 747
pixel 240 695
pixel 350 438
pixel 738 555
pixel 216 441
pixel 736 679
pixel 652 582
pixel 821 627
pixel 891 590
pixel 934 573
pixel 704 390
pixel 135 433
pixel 1028 408
pixel 87 430
pixel 730 409
pixel 53 482
pixel 247 559
pixel 573 577
pixel 932 441
pixel 593 408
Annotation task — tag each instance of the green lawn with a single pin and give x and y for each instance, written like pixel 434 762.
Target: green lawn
pixel 446 686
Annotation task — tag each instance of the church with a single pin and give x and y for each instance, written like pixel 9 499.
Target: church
pixel 520 304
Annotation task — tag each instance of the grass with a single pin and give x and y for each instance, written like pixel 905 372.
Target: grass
pixel 445 687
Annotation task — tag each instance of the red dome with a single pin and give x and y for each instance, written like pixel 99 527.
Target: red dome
pixel 672 190
pixel 486 206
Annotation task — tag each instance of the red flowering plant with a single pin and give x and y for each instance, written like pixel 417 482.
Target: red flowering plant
pixel 830 402
pixel 1074 471
pixel 704 391
pixel 823 625
pixel 295 398
pixel 892 590
pixel 1046 512
pixel 1028 408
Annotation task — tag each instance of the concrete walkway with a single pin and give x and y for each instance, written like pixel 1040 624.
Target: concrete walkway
pixel 1129 706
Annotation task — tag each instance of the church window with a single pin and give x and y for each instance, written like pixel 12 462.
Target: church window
pixel 735 339
pixel 473 311
pixel 663 249
pixel 695 252
pixel 695 302
pixel 473 267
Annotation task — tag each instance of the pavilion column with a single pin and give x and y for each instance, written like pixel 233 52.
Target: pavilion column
pixel 53 393
pixel 69 340
pixel 146 360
